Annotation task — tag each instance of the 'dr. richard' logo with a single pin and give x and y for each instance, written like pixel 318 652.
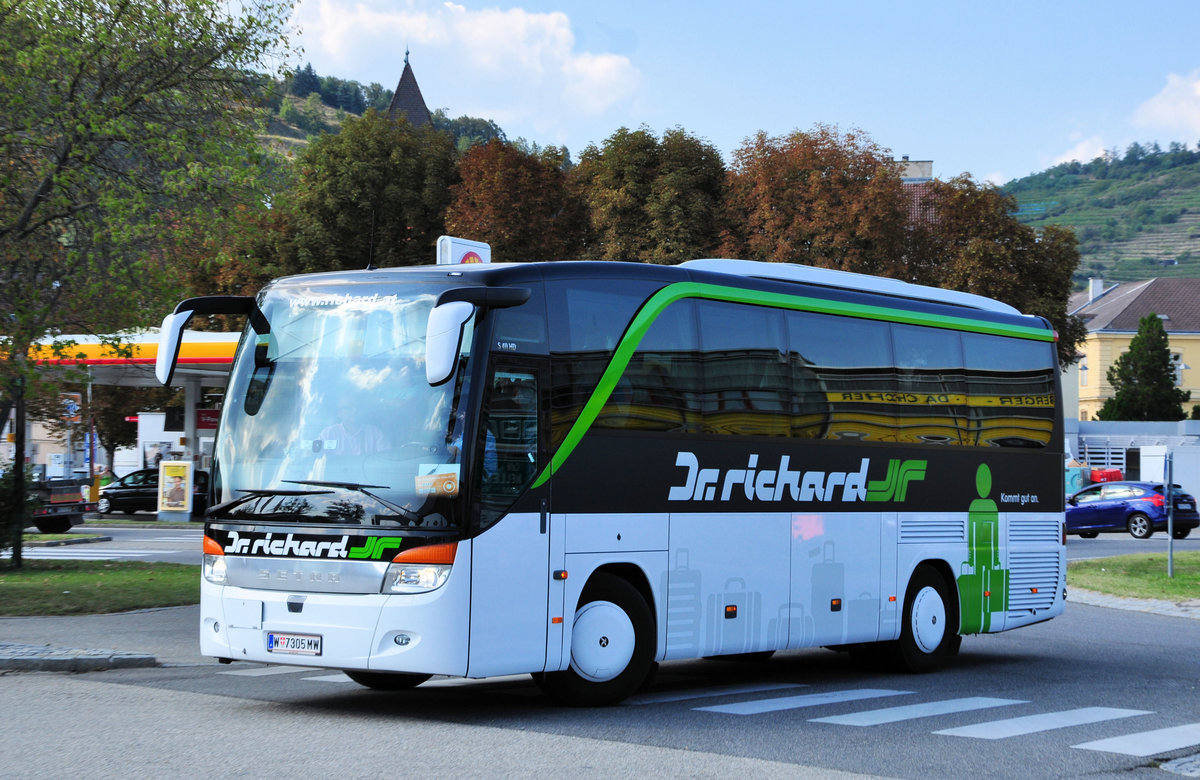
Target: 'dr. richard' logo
pixel 774 484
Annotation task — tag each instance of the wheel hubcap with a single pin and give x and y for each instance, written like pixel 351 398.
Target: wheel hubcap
pixel 928 619
pixel 602 641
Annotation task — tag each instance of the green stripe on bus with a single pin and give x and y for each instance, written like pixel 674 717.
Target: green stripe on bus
pixel 658 303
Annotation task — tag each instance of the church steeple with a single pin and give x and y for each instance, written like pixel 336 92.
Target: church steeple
pixel 407 100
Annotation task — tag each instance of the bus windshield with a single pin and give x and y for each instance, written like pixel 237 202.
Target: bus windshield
pixel 329 417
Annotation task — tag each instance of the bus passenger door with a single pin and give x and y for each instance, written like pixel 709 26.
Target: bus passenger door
pixel 510 567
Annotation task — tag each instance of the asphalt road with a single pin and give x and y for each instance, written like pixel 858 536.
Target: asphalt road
pixel 1097 691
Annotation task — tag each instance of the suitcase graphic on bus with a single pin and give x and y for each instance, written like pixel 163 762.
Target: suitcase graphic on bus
pixel 862 618
pixel 684 610
pixel 733 619
pixel 791 627
pixel 828 585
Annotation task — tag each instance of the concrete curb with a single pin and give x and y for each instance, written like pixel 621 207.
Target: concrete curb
pixel 61 542
pixel 45 658
pixel 1182 609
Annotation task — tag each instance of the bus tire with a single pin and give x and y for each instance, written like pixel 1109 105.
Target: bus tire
pixel 612 646
pixel 929 629
pixel 386 681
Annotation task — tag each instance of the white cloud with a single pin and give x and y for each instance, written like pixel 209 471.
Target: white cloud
pixel 1176 108
pixel 339 30
pixel 1085 150
pixel 502 64
pixel 594 82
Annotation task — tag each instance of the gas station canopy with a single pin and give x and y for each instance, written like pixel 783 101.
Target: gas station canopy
pixel 204 358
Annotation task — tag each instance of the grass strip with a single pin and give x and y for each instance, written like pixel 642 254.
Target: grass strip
pixel 43 587
pixel 1142 576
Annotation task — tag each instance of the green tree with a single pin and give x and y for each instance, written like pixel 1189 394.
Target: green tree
pixel 468 131
pixel 651 200
pixel 125 129
pixel 377 96
pixel 519 203
pixel 1143 378
pixel 374 193
pixel 305 81
pixel 822 198
pixel 971 241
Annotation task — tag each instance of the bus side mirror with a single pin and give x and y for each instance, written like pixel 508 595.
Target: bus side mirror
pixel 170 337
pixel 443 339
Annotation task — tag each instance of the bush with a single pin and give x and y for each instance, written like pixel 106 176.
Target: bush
pixel 14 522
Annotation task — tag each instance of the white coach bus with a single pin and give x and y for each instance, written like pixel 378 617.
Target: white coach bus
pixel 578 470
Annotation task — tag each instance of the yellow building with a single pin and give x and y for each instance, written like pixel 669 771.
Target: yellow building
pixel 1112 313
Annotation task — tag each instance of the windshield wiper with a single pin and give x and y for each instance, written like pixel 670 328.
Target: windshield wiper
pixel 408 514
pixel 253 493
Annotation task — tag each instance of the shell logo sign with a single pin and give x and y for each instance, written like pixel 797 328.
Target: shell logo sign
pixel 460 251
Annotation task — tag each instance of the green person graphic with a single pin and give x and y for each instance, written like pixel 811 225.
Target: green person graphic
pixel 982 583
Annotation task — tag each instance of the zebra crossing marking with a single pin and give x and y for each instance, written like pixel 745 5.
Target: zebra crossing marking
pixel 668 697
pixel 914 711
pixel 1148 743
pixel 63 553
pixel 797 702
pixel 1048 721
pixel 264 671
pixel 337 677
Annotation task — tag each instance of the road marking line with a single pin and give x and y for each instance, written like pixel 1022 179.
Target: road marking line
pixel 455 682
pixel 1015 727
pixel 330 678
pixel 914 711
pixel 43 554
pixel 265 671
pixel 1148 743
pixel 797 702
pixel 708 693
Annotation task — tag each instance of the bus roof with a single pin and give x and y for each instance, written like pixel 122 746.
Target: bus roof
pixel 833 280
pixel 828 277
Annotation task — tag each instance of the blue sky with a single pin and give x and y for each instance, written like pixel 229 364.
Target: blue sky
pixel 996 90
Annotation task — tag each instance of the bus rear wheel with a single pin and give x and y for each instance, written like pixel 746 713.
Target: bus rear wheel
pixel 386 681
pixel 929 629
pixel 612 646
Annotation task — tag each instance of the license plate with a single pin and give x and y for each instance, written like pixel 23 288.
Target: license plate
pixel 1184 506
pixel 295 644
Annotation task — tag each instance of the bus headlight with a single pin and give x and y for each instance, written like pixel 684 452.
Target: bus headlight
pixel 414 577
pixel 214 569
pixel 420 569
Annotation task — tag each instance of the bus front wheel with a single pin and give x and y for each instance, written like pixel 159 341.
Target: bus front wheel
pixel 929 631
pixel 612 646
pixel 386 681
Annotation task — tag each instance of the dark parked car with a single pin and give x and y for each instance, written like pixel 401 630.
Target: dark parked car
pixel 138 491
pixel 1137 507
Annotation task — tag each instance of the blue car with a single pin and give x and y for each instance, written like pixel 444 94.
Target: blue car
pixel 1137 507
